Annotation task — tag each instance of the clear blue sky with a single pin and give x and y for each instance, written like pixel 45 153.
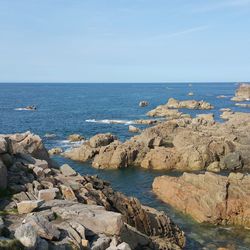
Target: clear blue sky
pixel 124 40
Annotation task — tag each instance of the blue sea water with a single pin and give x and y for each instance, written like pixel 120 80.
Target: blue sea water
pixel 64 109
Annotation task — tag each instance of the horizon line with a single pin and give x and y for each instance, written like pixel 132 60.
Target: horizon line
pixel 131 82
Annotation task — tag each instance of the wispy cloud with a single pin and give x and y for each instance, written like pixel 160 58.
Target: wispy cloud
pixel 187 31
pixel 219 5
pixel 180 32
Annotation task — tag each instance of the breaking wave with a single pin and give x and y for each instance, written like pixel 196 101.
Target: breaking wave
pixel 107 121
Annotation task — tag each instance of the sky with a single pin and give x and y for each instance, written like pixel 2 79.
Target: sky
pixel 124 40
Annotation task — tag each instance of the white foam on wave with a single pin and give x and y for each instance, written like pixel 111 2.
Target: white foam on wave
pixel 107 121
pixel 26 109
pixel 66 144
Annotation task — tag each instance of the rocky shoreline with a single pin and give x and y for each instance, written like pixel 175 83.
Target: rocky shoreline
pixel 187 144
pixel 44 206
pixel 184 144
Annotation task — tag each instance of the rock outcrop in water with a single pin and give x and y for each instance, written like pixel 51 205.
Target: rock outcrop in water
pixel 184 144
pixel 44 207
pixel 242 93
pixel 208 197
pixel 188 104
pixel 143 103
pixel 75 138
pixel 170 109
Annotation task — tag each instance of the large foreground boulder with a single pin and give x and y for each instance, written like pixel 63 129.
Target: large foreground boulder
pixel 27 143
pixel 208 197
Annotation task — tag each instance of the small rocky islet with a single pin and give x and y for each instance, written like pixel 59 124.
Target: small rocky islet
pixel 45 206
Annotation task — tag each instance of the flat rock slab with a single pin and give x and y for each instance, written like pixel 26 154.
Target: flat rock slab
pixel 47 194
pixel 66 170
pixel 92 217
pixel 25 207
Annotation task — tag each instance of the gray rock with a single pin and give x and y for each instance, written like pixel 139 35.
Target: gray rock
pixel 64 244
pixel 71 232
pixel 41 163
pixel 3 145
pixel 123 246
pixel 233 161
pixel 47 171
pixel 3 175
pixel 113 244
pixel 79 228
pixel 7 159
pixel 1 225
pixel 134 238
pixel 38 171
pixel 27 235
pixel 92 217
pixel 42 244
pixel 43 227
pixel 67 170
pixel 102 243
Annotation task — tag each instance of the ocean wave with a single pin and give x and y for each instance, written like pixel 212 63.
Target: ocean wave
pixel 107 121
pixel 66 144
pixel 26 109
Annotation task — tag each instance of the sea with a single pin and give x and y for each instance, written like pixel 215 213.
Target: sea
pixel 91 108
